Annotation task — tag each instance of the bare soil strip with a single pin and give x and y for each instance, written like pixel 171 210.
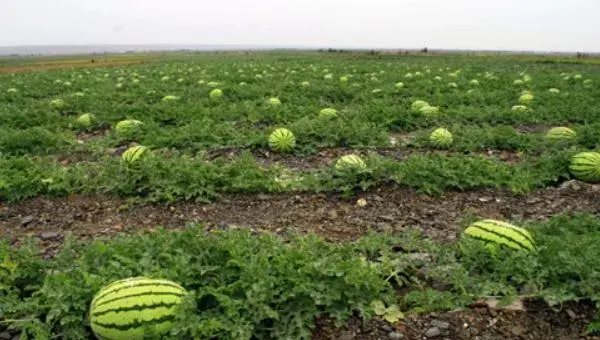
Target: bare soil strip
pixel 326 157
pixel 329 215
pixel 67 65
pixel 538 322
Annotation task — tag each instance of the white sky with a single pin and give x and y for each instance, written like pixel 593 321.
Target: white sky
pixel 558 25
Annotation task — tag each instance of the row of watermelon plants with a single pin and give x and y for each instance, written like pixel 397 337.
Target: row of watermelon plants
pixel 157 177
pixel 239 285
pixel 310 135
pixel 393 110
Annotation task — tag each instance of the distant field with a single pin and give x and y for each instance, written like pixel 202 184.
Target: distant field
pixel 441 141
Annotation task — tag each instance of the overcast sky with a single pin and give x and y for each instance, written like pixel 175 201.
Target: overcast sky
pixel 558 25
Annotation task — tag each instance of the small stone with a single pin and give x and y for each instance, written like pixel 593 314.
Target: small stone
pixel 384 227
pixel 484 199
pixel 571 314
pixel 346 336
pixel 517 330
pixel 395 335
pixel 361 202
pixel 49 235
pixel 387 218
pixel 440 324
pixel 262 197
pixel 5 336
pixel 26 220
pixel 386 327
pixel 433 332
pixel 573 184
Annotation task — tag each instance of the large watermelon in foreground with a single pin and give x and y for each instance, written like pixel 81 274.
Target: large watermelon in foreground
pixel 501 233
pixel 585 166
pixel 125 309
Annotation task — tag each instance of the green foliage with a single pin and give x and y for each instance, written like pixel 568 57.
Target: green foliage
pixel 243 285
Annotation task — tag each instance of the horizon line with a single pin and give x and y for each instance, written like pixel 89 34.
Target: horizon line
pixel 190 46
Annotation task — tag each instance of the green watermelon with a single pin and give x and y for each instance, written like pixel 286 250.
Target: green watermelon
pixel 125 309
pixel 282 140
pixel 585 166
pixel 501 233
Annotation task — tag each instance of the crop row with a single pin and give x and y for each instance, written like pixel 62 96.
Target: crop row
pixel 164 177
pixel 247 286
pixel 311 136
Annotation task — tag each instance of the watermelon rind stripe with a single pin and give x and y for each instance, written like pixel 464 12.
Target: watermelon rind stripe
pixel 136 308
pixel 127 285
pixel 136 323
pixel 516 229
pixel 107 301
pixel 136 153
pixel 508 241
pixel 502 236
pixel 130 284
pixel 481 238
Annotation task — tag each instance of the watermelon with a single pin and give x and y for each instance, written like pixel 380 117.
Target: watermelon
pixel 216 94
pixel 349 163
pixel 586 166
pixel 526 98
pixel 133 153
pixel 328 112
pixel 57 103
pixel 501 233
pixel 128 126
pixel 441 138
pixel 282 140
pixel 560 133
pixel 429 110
pixel 274 101
pixel 85 120
pixel 126 309
pixel 170 98
pixel 519 108
pixel 417 105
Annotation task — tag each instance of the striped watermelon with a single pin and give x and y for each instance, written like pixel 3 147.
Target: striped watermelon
pixel 85 120
pixel 282 140
pixel 585 166
pixel 133 153
pixel 560 133
pixel 125 309
pixel 328 112
pixel 128 126
pixel 417 105
pixel 441 138
pixel 501 233
pixel 349 162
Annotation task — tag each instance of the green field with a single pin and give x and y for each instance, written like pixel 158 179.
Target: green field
pixel 205 151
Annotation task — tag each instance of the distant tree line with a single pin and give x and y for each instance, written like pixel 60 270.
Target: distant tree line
pixel 372 52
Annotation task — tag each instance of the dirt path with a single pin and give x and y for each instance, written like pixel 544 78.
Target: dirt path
pixel 326 157
pixel 329 215
pixel 37 67
pixel 481 323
